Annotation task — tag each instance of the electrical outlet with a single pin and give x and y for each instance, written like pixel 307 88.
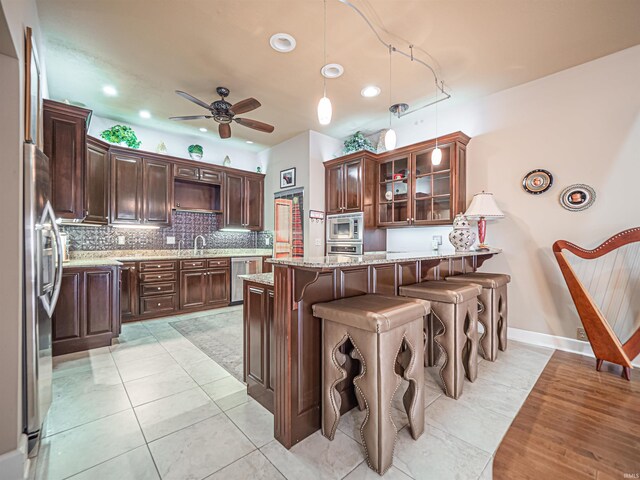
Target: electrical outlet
pixel 121 240
pixel 437 238
pixel 581 334
pixel 267 241
pixel 318 242
pixel 171 240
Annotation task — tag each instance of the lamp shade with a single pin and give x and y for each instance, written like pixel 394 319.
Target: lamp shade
pixel 483 205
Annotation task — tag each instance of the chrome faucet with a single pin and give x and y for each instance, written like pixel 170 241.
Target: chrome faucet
pixel 180 245
pixel 195 244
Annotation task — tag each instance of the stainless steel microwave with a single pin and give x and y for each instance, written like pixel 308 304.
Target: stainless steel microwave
pixel 345 227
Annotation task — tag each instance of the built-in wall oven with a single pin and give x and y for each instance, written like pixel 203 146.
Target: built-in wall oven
pixel 345 234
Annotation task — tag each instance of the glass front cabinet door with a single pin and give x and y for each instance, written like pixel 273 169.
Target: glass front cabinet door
pixel 414 191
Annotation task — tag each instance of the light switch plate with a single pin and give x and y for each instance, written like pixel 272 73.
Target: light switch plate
pixel 267 241
pixel 171 240
pixel 581 334
pixel 121 240
pixel 438 238
pixel 318 242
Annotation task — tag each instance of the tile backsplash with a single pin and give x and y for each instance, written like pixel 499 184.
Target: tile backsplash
pixel 185 226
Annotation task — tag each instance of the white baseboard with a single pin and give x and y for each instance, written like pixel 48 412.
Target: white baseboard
pixel 12 464
pixel 552 341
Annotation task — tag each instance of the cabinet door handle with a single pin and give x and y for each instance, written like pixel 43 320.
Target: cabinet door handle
pixel 159 288
pixel 159 304
pixel 411 219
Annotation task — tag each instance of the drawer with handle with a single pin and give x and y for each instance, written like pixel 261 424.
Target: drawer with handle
pixel 218 262
pixel 157 266
pixel 192 264
pixel 147 289
pixel 162 303
pixel 158 276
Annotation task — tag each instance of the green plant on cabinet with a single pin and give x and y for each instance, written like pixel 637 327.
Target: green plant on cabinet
pixel 357 142
pixel 121 134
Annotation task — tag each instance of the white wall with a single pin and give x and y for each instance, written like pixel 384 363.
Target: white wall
pixel 178 144
pixel 583 125
pixel 14 17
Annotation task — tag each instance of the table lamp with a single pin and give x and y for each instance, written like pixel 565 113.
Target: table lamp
pixel 483 207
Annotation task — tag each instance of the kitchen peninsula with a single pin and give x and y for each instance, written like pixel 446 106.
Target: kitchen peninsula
pixel 285 366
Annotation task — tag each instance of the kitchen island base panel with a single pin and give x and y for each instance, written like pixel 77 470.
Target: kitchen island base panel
pixel 298 334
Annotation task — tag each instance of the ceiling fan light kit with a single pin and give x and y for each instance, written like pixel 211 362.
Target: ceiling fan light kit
pixel 224 113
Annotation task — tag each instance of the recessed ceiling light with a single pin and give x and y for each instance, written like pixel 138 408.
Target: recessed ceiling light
pixel 109 90
pixel 249 142
pixel 332 70
pixel 370 91
pixel 202 129
pixel 144 113
pixel 282 42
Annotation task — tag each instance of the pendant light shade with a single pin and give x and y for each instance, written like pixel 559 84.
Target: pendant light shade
pixel 324 111
pixel 390 139
pixel 436 156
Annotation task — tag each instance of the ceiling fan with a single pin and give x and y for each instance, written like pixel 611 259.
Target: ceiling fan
pixel 224 113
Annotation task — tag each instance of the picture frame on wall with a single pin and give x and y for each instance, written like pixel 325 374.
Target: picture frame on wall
pixel 33 93
pixel 288 178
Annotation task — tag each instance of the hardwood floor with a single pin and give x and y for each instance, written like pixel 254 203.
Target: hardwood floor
pixel 576 423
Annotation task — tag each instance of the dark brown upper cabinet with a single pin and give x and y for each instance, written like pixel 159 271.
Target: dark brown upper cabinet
pixel 64 135
pixel 349 183
pixel 198 174
pixel 156 192
pixel 244 201
pixel 141 190
pixel 126 188
pixel 412 191
pixel 97 178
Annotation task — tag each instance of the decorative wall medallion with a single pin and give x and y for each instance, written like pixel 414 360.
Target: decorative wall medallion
pixel 537 181
pixel 462 237
pixel 578 197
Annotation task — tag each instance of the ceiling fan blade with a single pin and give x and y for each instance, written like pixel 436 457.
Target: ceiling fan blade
pixel 224 130
pixel 255 124
pixel 244 106
pixel 193 99
pixel 190 117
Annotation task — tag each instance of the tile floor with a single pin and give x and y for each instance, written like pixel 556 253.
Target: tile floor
pixel 154 406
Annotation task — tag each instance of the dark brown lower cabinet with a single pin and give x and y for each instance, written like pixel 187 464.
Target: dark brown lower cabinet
pixel 259 350
pixel 87 313
pixel 128 291
pixel 202 288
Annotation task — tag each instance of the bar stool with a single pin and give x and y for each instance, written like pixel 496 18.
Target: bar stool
pixel 492 309
pixel 455 333
pixel 387 337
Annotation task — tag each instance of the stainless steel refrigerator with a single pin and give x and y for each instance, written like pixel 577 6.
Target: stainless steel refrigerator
pixel 42 277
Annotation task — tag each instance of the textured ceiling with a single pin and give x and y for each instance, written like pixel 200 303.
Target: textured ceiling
pixel 149 48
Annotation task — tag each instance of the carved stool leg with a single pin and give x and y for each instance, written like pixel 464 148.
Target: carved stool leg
pixel 489 317
pixel 598 364
pixel 333 337
pixel 431 351
pixel 503 310
pixel 452 339
pixel 413 372
pixel 378 386
pixel 626 373
pixel 468 316
pixel 356 356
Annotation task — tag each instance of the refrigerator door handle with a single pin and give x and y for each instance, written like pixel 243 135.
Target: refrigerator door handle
pixel 49 302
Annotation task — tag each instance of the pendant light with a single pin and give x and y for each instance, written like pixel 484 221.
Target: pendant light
pixel 390 137
pixel 324 105
pixel 436 155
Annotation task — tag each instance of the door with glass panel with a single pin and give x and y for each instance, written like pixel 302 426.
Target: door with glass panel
pixel 432 187
pixel 394 185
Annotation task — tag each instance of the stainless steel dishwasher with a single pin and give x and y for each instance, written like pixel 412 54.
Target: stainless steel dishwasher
pixel 242 266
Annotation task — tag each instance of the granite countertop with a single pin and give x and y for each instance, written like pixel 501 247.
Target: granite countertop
pixel 263 278
pixel 91 262
pixel 333 261
pixel 141 255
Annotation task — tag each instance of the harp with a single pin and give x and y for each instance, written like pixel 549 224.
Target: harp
pixel 610 314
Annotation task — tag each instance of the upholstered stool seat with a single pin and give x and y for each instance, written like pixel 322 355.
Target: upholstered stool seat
pixel 453 326
pixel 492 309
pixel 387 337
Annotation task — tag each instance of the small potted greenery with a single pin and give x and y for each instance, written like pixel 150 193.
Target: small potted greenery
pixel 357 142
pixel 119 134
pixel 196 152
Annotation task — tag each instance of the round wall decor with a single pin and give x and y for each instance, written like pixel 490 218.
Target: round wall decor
pixel 578 197
pixel 537 181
